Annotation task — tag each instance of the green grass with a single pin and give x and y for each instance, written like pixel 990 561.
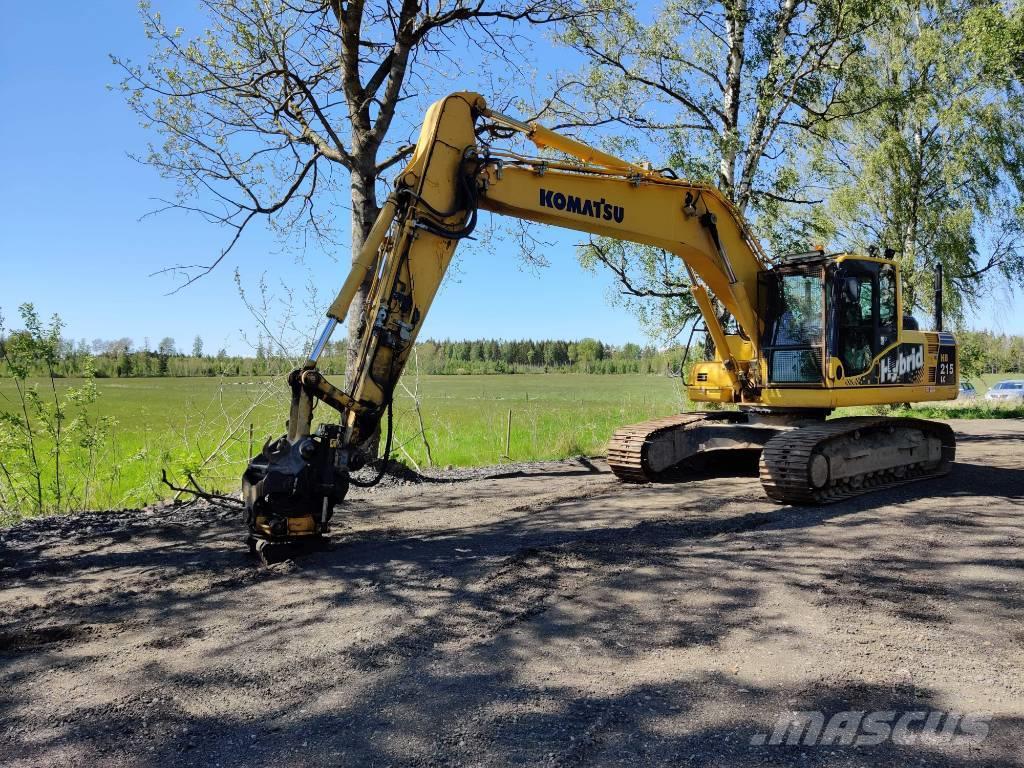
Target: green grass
pixel 177 424
pixel 952 409
pixel 553 415
pixel 202 424
pixel 958 410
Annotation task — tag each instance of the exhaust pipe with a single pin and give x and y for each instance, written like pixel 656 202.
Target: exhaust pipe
pixel 938 297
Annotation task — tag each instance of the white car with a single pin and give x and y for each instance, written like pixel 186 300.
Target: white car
pixel 1007 392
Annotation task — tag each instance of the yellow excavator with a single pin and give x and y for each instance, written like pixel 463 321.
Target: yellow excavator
pixel 803 334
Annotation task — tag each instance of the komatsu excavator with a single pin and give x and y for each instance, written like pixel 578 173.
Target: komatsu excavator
pixel 808 333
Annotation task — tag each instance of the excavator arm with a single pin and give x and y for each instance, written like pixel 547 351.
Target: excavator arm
pixel 291 488
pixel 786 387
pixel 452 176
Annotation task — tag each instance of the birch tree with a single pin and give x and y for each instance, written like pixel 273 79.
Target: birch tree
pixel 937 172
pixel 722 93
pixel 281 109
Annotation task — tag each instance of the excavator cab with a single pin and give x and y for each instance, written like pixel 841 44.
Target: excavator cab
pixel 835 324
pixel 820 308
pixel 817 309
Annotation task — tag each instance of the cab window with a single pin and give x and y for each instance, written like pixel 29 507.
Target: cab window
pixel 799 322
pixel 793 335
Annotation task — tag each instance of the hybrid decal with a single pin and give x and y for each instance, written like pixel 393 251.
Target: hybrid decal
pixel 595 209
pixel 903 365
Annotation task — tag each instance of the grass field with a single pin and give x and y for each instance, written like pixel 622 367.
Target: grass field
pixel 202 425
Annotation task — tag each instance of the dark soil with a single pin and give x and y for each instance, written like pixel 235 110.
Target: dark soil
pixel 540 614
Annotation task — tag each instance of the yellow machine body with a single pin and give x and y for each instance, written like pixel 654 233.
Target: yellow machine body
pixel 597 193
pixel 805 334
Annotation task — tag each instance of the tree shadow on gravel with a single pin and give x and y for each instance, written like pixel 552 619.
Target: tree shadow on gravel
pixel 486 638
pixel 990 436
pixel 426 717
pixel 455 687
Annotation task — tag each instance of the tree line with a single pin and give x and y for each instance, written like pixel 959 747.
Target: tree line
pixel 529 355
pixel 980 352
pixel 121 358
pixel 987 352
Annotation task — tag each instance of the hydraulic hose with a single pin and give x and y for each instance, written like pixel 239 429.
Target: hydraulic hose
pixel 468 202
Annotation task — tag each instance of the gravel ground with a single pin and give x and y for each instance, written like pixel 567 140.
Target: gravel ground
pixel 540 614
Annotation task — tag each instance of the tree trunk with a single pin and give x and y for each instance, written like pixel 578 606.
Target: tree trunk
pixel 768 98
pixel 735 30
pixel 364 213
pixel 910 233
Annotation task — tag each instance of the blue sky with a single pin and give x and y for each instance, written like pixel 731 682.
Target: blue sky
pixel 72 241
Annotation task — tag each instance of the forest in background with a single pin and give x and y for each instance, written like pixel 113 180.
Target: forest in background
pixel 121 358
pixel 980 352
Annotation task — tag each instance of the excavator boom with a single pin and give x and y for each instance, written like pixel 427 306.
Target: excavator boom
pixel 291 489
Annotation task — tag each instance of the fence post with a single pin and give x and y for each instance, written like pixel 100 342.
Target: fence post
pixel 250 441
pixel 508 436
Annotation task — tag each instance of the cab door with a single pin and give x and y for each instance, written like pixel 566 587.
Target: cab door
pixel 863 317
